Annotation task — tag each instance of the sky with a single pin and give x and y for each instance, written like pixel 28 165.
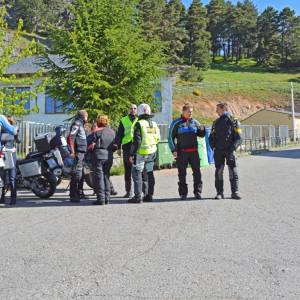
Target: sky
pixel 262 4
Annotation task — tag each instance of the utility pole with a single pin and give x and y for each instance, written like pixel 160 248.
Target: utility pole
pixel 293 112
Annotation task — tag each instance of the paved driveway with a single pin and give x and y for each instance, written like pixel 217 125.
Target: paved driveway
pixel 169 249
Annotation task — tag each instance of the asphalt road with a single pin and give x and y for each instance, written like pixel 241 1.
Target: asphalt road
pixel 169 249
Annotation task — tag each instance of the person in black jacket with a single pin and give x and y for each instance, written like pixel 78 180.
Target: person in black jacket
pixel 101 141
pixel 124 139
pixel 224 139
pixel 183 142
pixel 77 141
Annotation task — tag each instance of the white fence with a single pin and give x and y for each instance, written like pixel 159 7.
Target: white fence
pixel 252 132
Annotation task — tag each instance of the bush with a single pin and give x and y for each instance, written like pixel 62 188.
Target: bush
pixel 117 170
pixel 197 92
pixel 192 74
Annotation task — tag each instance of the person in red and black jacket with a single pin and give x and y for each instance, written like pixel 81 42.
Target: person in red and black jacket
pixel 101 145
pixel 183 142
pixel 77 141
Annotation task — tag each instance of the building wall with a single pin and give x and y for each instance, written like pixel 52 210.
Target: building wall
pixel 266 117
pixel 164 116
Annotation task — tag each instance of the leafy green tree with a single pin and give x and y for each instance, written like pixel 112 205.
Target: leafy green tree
pixel 12 100
pixel 108 63
pixel 197 50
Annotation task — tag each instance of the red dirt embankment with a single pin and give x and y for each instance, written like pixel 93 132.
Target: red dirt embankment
pixel 241 105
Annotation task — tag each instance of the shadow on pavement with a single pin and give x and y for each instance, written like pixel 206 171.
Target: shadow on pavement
pixel 31 201
pixel 292 153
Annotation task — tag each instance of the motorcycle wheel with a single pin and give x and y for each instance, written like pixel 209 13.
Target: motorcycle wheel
pixel 45 186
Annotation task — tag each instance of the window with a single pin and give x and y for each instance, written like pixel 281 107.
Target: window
pixel 21 90
pixel 53 106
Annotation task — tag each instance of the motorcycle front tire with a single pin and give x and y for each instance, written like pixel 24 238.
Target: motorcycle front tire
pixel 45 187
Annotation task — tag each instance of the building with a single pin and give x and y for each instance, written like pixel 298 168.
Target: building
pixel 50 110
pixel 279 119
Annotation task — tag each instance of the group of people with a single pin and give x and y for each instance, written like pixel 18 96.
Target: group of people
pixel 137 136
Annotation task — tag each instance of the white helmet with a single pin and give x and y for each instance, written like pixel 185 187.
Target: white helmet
pixel 144 109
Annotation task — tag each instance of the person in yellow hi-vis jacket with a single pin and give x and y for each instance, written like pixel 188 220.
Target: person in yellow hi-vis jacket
pixel 146 136
pixel 124 140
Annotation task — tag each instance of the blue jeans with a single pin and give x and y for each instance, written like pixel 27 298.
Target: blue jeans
pixel 9 177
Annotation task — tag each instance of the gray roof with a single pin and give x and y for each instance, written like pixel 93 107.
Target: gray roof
pixel 281 111
pixel 30 65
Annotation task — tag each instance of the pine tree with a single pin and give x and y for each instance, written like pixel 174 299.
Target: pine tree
pixel 109 63
pixel 175 33
pixel 244 28
pixel 216 11
pixel 197 50
pixel 268 52
pixel 289 28
pixel 229 31
pixel 152 16
pixel 36 14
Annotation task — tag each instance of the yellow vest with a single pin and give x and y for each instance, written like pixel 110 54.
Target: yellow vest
pixel 128 129
pixel 150 137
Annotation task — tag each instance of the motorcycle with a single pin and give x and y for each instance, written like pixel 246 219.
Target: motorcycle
pixel 62 170
pixel 34 173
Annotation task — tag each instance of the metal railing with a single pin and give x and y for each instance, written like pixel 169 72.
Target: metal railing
pixel 262 144
pixel 27 132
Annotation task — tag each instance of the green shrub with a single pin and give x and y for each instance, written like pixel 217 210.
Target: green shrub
pixel 197 92
pixel 117 170
pixel 192 74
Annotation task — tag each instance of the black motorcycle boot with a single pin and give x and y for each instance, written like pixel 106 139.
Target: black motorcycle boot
pixel 234 189
pixel 128 194
pixel 135 199
pixel 83 196
pixel 13 201
pixel 113 192
pixel 148 198
pixel 75 198
pixel 183 191
pixel 198 196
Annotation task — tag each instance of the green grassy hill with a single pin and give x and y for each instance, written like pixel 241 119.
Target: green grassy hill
pixel 246 87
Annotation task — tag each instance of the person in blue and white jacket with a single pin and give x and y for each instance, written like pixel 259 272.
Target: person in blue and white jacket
pixel 8 137
pixel 183 143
